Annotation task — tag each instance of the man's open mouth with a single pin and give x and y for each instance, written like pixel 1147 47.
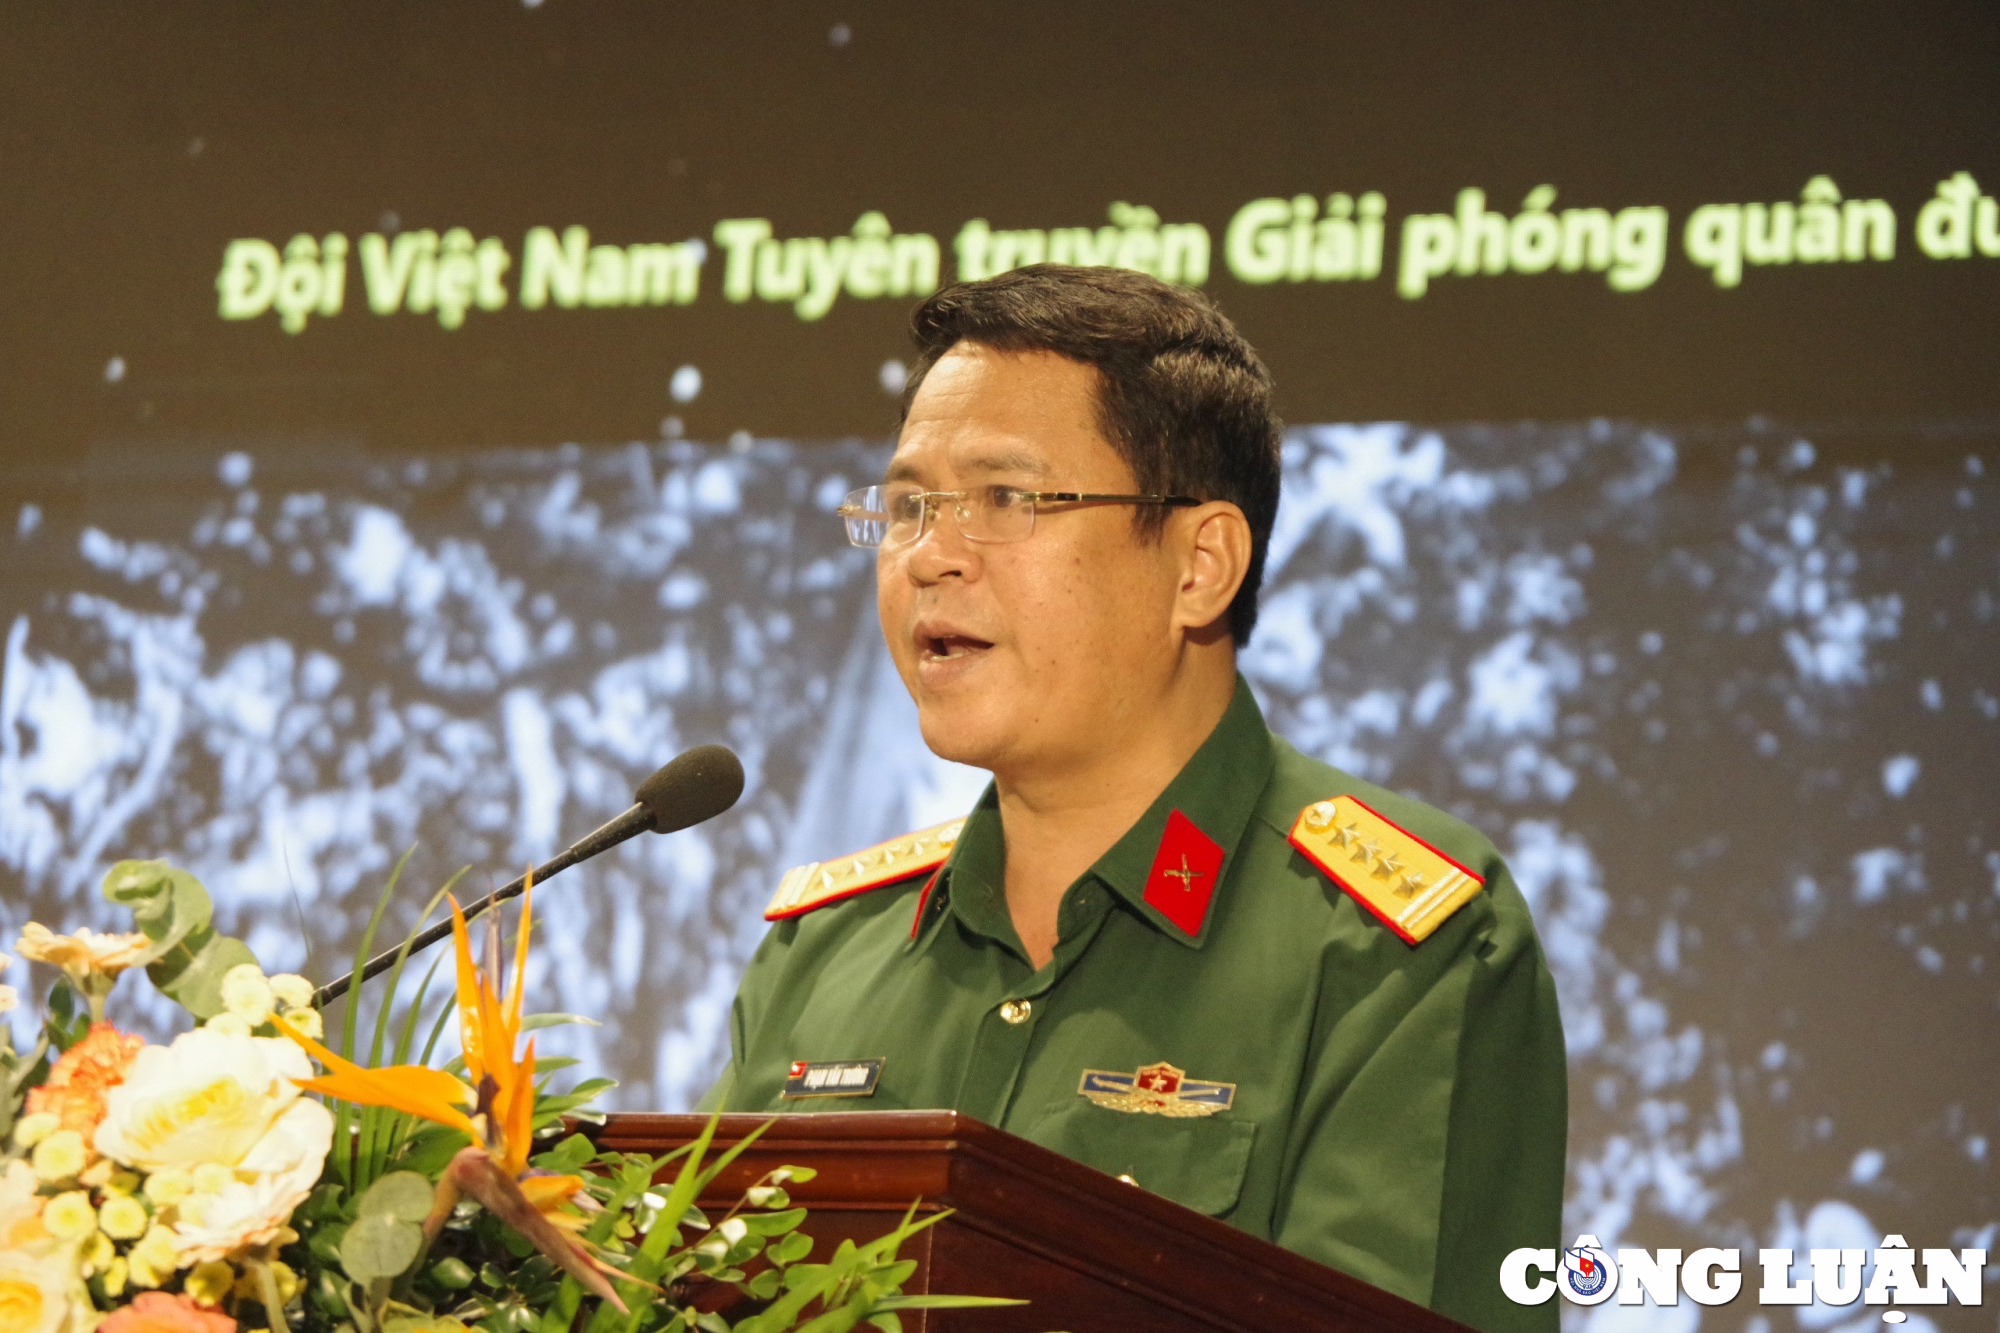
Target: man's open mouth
pixel 945 647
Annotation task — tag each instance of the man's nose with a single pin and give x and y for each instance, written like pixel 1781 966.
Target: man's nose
pixel 942 550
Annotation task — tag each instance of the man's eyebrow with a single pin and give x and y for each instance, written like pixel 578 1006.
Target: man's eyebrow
pixel 1006 460
pixel 980 464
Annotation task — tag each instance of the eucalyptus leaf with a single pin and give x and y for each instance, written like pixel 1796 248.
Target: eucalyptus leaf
pixel 167 904
pixel 192 971
pixel 380 1246
pixel 402 1195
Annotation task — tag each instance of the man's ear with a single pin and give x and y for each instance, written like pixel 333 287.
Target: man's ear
pixel 1215 547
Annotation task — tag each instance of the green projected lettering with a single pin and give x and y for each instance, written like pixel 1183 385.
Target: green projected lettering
pixel 810 272
pixel 310 278
pixel 1289 240
pixel 1946 227
pixel 1135 239
pixel 422 274
pixel 572 272
pixel 1307 238
pixel 1819 229
pixel 1628 247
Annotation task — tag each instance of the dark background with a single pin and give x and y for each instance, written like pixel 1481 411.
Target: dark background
pixel 138 142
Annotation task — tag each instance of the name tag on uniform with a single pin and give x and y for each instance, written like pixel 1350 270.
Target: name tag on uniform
pixel 832 1078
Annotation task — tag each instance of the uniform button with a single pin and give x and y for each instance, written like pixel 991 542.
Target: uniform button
pixel 1016 1012
pixel 1127 1179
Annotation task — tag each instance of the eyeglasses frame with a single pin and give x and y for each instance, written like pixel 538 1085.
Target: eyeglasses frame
pixel 933 501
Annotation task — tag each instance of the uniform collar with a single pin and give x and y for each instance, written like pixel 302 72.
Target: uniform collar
pixel 1216 791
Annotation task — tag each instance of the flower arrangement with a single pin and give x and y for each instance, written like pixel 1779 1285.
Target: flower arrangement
pixel 256 1174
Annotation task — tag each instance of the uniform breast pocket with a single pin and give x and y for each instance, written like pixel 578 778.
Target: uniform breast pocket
pixel 1197 1162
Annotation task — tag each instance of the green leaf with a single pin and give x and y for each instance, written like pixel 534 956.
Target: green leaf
pixel 402 1195
pixel 429 1147
pixel 380 1127
pixel 166 904
pixel 66 1022
pixel 452 1274
pixel 772 1224
pixel 324 1243
pixel 944 1302
pixel 186 958
pixel 380 1246
pixel 348 1160
pixel 835 1321
pixel 192 972
pixel 792 1248
pixel 401 1056
pixel 326 1293
pixel 571 1154
pixel 535 1022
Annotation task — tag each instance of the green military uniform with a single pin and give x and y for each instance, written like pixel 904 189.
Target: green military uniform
pixel 1395 1110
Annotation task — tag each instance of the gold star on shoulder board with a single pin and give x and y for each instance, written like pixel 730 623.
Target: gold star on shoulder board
pixel 1403 881
pixel 821 882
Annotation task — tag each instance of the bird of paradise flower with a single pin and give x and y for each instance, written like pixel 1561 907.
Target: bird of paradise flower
pixel 495 1110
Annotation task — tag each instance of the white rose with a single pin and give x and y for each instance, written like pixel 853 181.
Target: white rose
pixel 210 1097
pixel 271 1181
pixel 21 1226
pixel 35 1290
pixel 224 1109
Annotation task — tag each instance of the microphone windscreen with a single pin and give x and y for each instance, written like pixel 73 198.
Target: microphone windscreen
pixel 698 785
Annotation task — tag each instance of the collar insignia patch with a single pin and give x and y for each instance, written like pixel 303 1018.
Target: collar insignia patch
pixel 1156 1089
pixel 821 882
pixel 1182 880
pixel 832 1078
pixel 1409 885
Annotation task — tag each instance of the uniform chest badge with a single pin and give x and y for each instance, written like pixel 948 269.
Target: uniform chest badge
pixel 1409 885
pixel 1156 1089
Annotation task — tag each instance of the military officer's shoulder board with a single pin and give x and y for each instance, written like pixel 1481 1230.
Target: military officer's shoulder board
pixel 1409 885
pixel 821 882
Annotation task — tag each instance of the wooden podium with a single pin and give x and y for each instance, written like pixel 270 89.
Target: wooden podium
pixel 1093 1254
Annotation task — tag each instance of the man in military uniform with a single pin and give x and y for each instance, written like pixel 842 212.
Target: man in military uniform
pixel 1164 943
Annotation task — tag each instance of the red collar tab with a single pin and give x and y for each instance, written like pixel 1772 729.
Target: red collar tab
pixel 1182 881
pixel 923 901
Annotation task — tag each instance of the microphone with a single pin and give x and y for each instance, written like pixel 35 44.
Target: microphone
pixel 690 788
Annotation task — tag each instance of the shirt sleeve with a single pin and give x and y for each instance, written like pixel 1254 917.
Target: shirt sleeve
pixel 1433 1115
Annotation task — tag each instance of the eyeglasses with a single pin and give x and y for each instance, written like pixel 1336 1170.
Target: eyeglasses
pixel 894 515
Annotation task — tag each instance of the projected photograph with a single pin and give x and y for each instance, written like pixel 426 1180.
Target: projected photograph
pixel 1730 722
